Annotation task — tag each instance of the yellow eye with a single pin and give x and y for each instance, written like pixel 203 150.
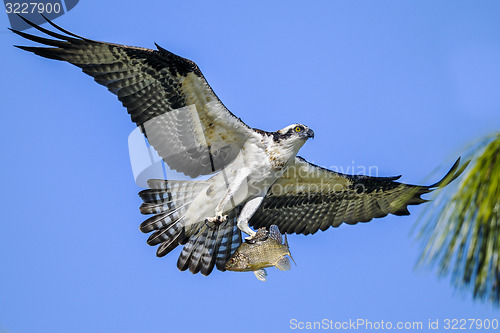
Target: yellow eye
pixel 297 129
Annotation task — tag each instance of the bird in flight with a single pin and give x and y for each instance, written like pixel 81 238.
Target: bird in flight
pixel 257 179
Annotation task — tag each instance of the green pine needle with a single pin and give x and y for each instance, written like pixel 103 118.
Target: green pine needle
pixel 461 231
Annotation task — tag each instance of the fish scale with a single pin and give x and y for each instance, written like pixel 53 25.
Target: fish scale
pixel 265 249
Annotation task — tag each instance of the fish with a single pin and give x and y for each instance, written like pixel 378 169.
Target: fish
pixel 265 249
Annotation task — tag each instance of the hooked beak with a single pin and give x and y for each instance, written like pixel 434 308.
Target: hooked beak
pixel 310 134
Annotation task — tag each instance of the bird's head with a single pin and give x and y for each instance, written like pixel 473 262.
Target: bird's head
pixel 296 134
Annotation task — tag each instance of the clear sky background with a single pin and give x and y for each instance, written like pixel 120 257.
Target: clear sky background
pixel 400 85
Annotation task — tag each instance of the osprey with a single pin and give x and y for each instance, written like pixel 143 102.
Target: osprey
pixel 257 178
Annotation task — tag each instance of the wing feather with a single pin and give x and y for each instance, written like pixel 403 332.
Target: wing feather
pixel 165 94
pixel 308 198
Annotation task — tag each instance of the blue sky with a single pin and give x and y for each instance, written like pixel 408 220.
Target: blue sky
pixel 400 85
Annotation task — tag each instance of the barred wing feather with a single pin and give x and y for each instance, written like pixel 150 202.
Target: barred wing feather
pixel 308 198
pixel 165 94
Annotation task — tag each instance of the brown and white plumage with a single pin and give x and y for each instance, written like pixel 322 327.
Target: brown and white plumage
pixel 308 198
pixel 257 178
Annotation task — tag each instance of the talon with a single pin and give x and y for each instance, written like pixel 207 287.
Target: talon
pixel 211 219
pixel 251 238
pixel 209 224
pixel 216 220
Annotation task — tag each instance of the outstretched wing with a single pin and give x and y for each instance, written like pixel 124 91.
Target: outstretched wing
pixel 165 94
pixel 308 197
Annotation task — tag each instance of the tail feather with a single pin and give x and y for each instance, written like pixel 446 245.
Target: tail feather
pixel 177 186
pixel 203 244
pixel 170 244
pixel 169 200
pixel 206 246
pixel 163 196
pixel 172 197
pixel 172 208
pixel 210 247
pixel 169 195
pixel 227 233
pixel 154 223
pixel 183 261
pixel 229 243
pixel 209 255
pixel 206 251
pixel 165 234
pixel 191 253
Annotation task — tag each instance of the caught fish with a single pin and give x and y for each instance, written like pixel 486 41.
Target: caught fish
pixel 265 249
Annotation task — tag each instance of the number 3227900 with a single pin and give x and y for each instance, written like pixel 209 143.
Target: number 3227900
pixel 32 7
pixel 468 324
